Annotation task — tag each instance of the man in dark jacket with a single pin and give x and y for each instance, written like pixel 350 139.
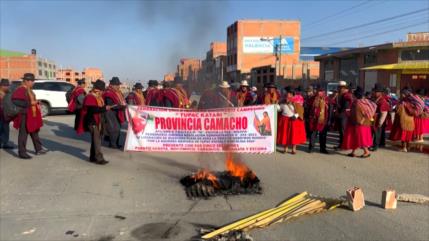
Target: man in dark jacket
pixel 29 120
pixel 345 99
pixel 115 117
pixel 4 123
pixel 92 120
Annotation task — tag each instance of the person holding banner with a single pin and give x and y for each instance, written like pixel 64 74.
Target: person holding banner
pixel 221 97
pixel 271 96
pixel 168 96
pixel 136 97
pixel 244 97
pixel 114 117
pixel 76 101
pixel 91 120
pixel 183 95
pixel 152 93
pixel 291 130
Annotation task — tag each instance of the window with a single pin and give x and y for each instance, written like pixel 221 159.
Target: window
pixel 38 86
pixel 54 74
pixel 65 87
pixel 68 79
pixel 258 79
pixel 45 64
pixel 392 80
pixel 68 74
pixel 40 64
pixel 46 73
pixel 370 58
pixel 415 54
pixel 271 78
pixel 50 66
pixel 40 72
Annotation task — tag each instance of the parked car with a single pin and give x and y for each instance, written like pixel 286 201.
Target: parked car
pixel 52 95
pixel 331 87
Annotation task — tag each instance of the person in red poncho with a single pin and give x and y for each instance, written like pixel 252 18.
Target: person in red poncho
pixel 29 120
pixel 168 96
pixel 358 130
pixel 114 117
pixel 383 107
pixel 244 97
pixel 271 95
pixel 422 120
pixel 152 93
pixel 403 125
pixel 76 101
pixel 344 102
pixel 91 120
pixel 291 129
pixel 184 101
pixel 219 97
pixel 136 97
pixel 318 116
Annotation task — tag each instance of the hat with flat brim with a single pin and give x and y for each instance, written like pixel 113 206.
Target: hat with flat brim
pixel 99 85
pixel 342 84
pixel 271 85
pixel 138 86
pixel 153 83
pixel 244 83
pixel 81 81
pixel 378 88
pixel 4 82
pixel 29 76
pixel 224 85
pixel 115 81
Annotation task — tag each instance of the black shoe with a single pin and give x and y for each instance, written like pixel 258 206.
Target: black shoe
pixel 41 152
pixel 310 150
pixel 7 146
pixel 373 149
pixel 102 162
pixel 24 156
pixel 324 152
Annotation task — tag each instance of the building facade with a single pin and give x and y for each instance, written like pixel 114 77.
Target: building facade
pixel 14 64
pixel 188 70
pixel 72 76
pixel 395 65
pixel 213 67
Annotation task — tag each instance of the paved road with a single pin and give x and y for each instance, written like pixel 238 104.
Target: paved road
pixel 47 196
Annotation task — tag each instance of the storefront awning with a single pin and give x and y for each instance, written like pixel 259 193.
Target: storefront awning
pixel 401 66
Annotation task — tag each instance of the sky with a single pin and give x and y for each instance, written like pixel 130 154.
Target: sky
pixel 141 40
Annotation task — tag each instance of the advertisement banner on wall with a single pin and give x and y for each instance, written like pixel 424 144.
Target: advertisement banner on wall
pixel 245 130
pixel 264 45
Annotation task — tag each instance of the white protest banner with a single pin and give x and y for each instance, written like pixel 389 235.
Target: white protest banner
pixel 249 129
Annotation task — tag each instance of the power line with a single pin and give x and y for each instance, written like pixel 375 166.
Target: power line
pixel 337 13
pixel 382 33
pixel 367 24
pixel 384 26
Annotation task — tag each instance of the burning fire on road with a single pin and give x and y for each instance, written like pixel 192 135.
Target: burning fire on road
pixel 236 179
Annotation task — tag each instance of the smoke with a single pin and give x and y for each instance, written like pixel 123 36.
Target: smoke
pixel 196 21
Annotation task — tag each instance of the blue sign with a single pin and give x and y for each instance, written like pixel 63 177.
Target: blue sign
pixel 286 46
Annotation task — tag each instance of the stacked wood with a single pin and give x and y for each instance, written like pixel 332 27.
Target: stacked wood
pixel 298 205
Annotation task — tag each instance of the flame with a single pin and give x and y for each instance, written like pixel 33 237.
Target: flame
pixel 204 174
pixel 237 168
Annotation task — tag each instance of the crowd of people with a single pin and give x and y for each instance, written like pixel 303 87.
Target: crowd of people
pixel 360 118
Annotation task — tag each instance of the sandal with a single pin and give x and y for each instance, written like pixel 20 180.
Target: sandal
pixel 365 156
pixel 351 155
pixel 293 152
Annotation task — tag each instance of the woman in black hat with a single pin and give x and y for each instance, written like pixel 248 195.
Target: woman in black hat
pixel 4 122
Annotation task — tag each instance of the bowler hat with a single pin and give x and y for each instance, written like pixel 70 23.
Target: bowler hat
pixel 81 81
pixel 342 83
pixel 358 92
pixel 244 83
pixel 378 88
pixel 138 86
pixel 153 83
pixel 99 85
pixel 288 89
pixel 4 82
pixel 271 85
pixel 29 76
pixel 115 81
